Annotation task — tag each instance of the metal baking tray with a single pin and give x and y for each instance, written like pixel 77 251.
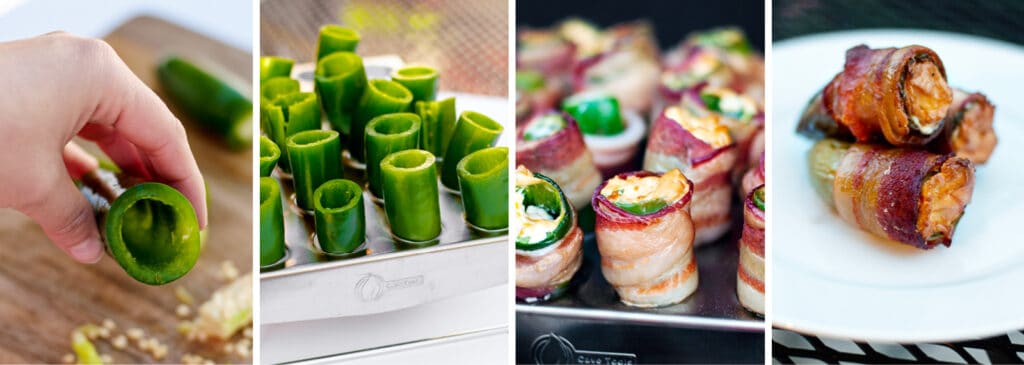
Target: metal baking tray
pixel 385 275
pixel 591 317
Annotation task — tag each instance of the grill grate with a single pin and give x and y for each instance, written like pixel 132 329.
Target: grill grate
pixel 467 40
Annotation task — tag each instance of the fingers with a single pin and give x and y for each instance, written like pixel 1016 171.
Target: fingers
pixel 77 161
pixel 123 152
pixel 140 119
pixel 67 219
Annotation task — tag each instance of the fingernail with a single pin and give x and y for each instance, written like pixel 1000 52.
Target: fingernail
pixel 89 251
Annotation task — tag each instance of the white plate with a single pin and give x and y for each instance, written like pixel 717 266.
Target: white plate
pixel 831 279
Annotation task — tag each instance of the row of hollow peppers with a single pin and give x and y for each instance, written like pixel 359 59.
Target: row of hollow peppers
pixel 396 129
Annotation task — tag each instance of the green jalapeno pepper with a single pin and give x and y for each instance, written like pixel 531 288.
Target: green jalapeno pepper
pixel 316 158
pixel 340 80
pixel 269 154
pixel 272 66
pixel 275 87
pixel 335 38
pixel 287 115
pixel 758 197
pixel 150 228
pixel 544 194
pixel 438 123
pixel 483 180
pixel 473 131
pixel 596 113
pixel 340 218
pixel 271 222
pixel 644 207
pixel 420 80
pixel 410 195
pixel 380 97
pixel 385 135
pixel 211 101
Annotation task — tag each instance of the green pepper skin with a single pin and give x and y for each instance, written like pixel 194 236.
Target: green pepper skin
pixel 269 154
pixel 483 180
pixel 550 197
pixel 438 118
pixel 410 195
pixel 271 222
pixel 276 87
pixel 420 80
pixel 380 97
pixel 643 207
pixel 209 100
pixel 288 115
pixel 335 38
pixel 340 217
pixel 595 113
pixel 823 160
pixel 340 80
pixel 152 231
pixel 316 158
pixel 272 66
pixel 385 135
pixel 474 131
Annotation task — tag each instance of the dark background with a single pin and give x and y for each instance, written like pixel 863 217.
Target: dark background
pixel 672 20
pixel 993 19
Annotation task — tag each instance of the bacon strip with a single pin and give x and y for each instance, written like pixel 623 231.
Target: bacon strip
pixel 538 277
pixel 750 272
pixel 968 128
pixel 563 157
pixel 877 95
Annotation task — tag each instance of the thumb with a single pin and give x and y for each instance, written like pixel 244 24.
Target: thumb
pixel 67 219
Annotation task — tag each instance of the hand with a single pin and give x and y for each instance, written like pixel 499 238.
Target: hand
pixel 57 86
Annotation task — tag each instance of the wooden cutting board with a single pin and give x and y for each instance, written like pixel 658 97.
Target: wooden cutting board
pixel 46 294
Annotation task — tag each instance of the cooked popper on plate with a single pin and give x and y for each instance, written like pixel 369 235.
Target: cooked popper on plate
pixel 896 95
pixel 702 148
pixel 750 275
pixel 906 195
pixel 968 128
pixel 622 60
pixel 645 237
pixel 550 143
pixel 612 135
pixel 549 244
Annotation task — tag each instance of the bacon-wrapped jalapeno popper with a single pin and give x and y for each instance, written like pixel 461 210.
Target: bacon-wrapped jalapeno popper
pixel 645 237
pixel 550 143
pixel 622 61
pixel 730 47
pixel 968 128
pixel 549 244
pixel 750 275
pixel 703 150
pixel 753 178
pixel 745 122
pixel 896 94
pixel 911 196
pixel 611 134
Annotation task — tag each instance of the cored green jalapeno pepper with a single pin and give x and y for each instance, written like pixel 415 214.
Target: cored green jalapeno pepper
pixel 271 222
pixel 483 180
pixel 340 80
pixel 316 158
pixel 474 131
pixel 420 80
pixel 269 154
pixel 340 218
pixel 276 87
pixel 438 123
pixel 150 228
pixel 335 38
pixel 595 113
pixel 211 101
pixel 385 135
pixel 288 115
pixel 273 66
pixel 410 195
pixel 380 97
